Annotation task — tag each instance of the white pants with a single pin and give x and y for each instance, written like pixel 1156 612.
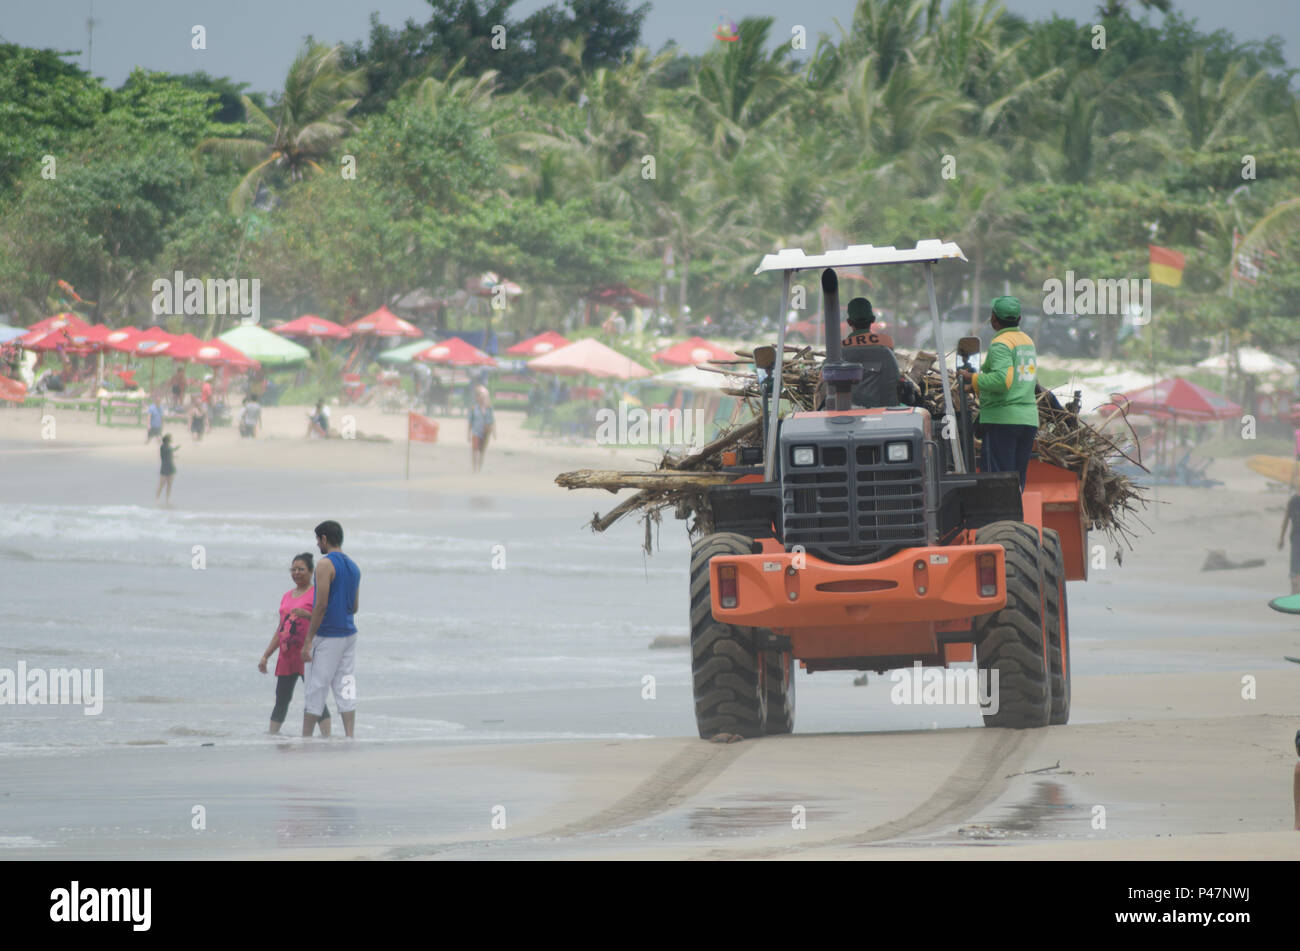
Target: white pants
pixel 333 665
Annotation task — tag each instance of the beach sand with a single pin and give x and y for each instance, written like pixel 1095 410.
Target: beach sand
pixel 1181 749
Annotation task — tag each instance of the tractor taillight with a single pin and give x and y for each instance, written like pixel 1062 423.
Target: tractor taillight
pixel 727 586
pixel 986 566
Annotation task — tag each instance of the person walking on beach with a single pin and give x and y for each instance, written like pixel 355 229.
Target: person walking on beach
pixel 295 615
pixel 1292 518
pixel 178 388
pixel 168 452
pixel 481 423
pixel 331 645
pixel 155 421
pixel 318 423
pixel 198 420
pixel 250 418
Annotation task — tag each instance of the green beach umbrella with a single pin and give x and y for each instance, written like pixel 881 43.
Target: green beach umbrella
pixel 267 348
pixel 404 353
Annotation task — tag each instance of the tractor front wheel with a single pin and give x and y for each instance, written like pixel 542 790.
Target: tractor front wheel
pixel 726 665
pixel 1012 641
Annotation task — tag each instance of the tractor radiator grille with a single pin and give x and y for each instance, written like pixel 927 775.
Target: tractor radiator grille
pixel 852 507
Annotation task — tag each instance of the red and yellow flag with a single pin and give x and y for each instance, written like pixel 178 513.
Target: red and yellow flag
pixel 1166 266
pixel 421 428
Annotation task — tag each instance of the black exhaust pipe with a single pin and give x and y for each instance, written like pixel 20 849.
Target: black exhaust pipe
pixel 831 307
pixel 839 377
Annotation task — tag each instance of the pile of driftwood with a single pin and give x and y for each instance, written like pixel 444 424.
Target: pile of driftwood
pixel 682 482
pixel 679 482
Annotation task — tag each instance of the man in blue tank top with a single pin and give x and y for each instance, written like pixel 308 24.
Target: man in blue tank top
pixel 331 646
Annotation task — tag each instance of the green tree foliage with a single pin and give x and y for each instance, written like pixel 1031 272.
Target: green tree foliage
pixel 465 30
pixel 44 101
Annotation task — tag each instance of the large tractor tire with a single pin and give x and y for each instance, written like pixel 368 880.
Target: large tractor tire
pixel 1057 620
pixel 1013 641
pixel 779 668
pixel 726 666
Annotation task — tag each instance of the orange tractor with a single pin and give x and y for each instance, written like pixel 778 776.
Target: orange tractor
pixel 858 539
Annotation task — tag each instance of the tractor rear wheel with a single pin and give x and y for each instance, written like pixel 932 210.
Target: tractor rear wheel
pixel 1012 641
pixel 726 665
pixel 779 668
pixel 1058 625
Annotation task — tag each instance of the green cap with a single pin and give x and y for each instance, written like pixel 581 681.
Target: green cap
pixel 860 314
pixel 1007 309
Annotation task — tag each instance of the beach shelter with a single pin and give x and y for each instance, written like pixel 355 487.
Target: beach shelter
pixel 51 338
pixel 406 351
pixel 691 352
pixel 185 347
pixel 263 346
pixel 1173 401
pixel 122 339
pixel 1178 399
pixel 382 323
pixel 309 325
pixel 454 352
pixel 592 358
pixel 69 320
pixel 537 346
pixel 218 353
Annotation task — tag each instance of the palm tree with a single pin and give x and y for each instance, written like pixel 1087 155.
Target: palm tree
pixel 310 118
pixel 473 92
pixel 741 87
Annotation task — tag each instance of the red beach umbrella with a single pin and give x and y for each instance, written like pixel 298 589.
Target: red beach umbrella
pixel 589 356
pixel 539 345
pixel 691 352
pixel 217 353
pixel 455 352
pixel 382 323
pixel 309 325
pixel 71 321
pixel 1178 399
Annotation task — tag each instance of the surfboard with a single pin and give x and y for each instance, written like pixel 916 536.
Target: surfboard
pixel 1290 604
pixel 1278 468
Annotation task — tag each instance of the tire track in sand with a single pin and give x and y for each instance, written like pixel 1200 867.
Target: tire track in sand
pixel 976 781
pixel 673 783
pixel 682 776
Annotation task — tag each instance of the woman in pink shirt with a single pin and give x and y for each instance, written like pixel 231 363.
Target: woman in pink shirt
pixel 295 616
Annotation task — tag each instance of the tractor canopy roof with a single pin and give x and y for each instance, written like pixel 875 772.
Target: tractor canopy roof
pixel 794 259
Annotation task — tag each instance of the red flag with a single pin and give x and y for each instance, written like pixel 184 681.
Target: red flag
pixel 421 428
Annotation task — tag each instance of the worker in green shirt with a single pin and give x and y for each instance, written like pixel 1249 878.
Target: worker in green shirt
pixel 1005 387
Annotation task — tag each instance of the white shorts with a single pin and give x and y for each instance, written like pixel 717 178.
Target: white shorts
pixel 333 665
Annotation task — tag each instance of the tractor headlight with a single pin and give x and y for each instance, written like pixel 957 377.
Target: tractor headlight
pixel 898 451
pixel 804 456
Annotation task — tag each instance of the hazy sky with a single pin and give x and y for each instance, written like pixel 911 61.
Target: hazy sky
pixel 254 40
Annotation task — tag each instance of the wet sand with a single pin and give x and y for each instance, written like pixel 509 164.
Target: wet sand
pixel 1183 765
